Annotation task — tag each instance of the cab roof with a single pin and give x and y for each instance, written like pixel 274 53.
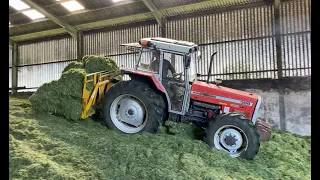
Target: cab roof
pixel 165 44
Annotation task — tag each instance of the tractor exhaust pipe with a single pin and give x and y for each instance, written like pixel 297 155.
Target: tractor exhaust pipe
pixel 210 66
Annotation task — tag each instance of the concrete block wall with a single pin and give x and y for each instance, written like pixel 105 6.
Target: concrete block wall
pixel 298 112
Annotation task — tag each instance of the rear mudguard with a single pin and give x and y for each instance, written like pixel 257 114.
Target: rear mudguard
pixel 152 77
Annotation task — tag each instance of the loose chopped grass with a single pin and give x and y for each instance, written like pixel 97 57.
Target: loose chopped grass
pixel 73 65
pixel 43 146
pixel 97 63
pixel 63 97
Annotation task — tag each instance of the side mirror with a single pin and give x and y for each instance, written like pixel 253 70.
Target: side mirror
pixel 188 60
pixel 218 81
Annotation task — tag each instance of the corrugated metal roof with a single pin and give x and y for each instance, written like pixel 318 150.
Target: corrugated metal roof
pixel 40 34
pixel 58 10
pixel 104 13
pixel 115 21
pixel 11 10
pixel 202 6
pixel 95 4
pixel 45 2
pixel 163 4
pixel 33 27
pixel 18 18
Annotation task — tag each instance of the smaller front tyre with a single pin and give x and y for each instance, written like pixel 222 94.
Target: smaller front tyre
pixel 234 134
pixel 131 107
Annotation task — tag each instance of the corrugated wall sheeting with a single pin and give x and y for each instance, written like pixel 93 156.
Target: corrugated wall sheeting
pixel 296 55
pixel 238 60
pixel 48 51
pixel 295 41
pixel 226 26
pixel 244 40
pixel 107 43
pixel 295 16
pixel 126 61
pixel 35 76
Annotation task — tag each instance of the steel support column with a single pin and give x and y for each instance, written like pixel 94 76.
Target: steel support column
pixel 282 114
pixel 14 71
pixel 163 28
pixel 79 45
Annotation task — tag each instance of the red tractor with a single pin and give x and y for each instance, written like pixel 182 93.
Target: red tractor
pixel 163 85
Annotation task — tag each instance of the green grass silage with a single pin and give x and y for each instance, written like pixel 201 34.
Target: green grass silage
pixel 43 146
pixel 63 97
pixel 96 64
pixel 73 65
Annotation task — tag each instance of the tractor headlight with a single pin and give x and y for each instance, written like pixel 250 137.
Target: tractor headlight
pixel 256 109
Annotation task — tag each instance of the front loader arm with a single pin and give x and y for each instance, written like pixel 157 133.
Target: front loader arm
pixel 101 82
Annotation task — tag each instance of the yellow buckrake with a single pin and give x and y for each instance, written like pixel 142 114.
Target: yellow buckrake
pixel 101 83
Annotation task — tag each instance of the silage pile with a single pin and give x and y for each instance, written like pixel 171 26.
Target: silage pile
pixel 63 97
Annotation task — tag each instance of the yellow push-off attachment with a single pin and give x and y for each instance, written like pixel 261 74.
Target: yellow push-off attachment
pixel 101 83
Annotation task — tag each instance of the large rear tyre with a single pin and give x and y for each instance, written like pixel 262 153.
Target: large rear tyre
pixel 234 134
pixel 131 107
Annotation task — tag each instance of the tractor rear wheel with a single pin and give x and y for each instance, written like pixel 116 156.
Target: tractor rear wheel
pixel 131 107
pixel 234 134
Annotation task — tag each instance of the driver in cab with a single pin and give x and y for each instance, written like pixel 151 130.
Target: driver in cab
pixel 167 66
pixel 174 92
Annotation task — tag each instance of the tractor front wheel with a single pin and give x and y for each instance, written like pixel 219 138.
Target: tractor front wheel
pixel 131 107
pixel 234 134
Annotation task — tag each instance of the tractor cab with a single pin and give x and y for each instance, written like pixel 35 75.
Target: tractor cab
pixel 173 63
pixel 174 55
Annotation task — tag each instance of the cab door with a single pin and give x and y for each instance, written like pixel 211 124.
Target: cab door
pixel 173 79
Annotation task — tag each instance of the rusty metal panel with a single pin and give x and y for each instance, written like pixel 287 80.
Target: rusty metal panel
pixel 48 51
pixel 35 76
pixel 107 43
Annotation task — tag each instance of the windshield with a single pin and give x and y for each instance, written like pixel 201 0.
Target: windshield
pixel 145 57
pixel 148 60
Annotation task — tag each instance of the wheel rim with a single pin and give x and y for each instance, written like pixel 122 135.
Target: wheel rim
pixel 231 139
pixel 128 114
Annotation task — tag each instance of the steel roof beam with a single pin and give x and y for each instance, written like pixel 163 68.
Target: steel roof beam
pixel 156 13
